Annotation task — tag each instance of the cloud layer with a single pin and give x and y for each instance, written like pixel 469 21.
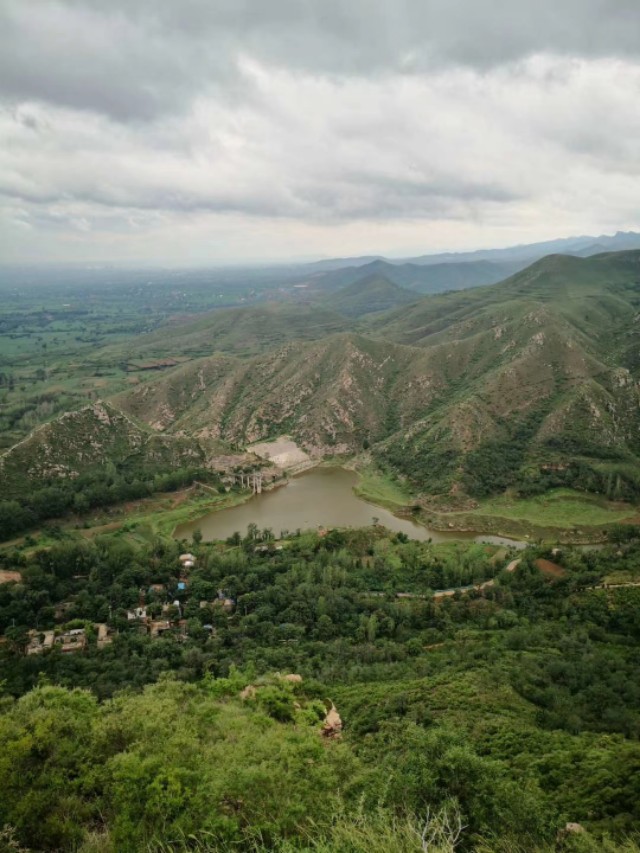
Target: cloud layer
pixel 227 130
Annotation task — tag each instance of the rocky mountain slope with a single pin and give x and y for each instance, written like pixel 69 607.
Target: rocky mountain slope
pixel 530 382
pixel 88 439
pixel 329 394
pixel 544 360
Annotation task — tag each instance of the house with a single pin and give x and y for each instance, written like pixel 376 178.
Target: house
pixel 159 627
pixel 137 613
pixel 105 635
pixel 188 564
pixel 222 600
pixel 39 642
pixel 169 606
pixel 72 641
pixel 187 558
pixel 225 601
pixel 182 585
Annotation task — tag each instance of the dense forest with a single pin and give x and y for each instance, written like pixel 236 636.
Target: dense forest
pixel 497 715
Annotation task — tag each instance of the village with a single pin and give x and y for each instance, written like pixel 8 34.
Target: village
pixel 142 618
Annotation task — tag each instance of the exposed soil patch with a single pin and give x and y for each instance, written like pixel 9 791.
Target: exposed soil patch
pixel 7 577
pixel 549 569
pixel 283 452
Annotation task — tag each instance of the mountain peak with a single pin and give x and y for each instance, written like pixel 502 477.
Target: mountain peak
pixel 371 293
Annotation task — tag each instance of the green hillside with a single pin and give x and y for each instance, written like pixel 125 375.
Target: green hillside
pixel 542 380
pixel 237 331
pixel 528 383
pixel 369 295
pixel 577 288
pixel 93 458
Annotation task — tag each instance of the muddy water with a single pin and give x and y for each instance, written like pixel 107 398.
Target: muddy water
pixel 322 497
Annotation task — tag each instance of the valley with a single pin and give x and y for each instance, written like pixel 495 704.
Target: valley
pixel 321 499
pixel 521 388
pixel 369 494
pixel 319 427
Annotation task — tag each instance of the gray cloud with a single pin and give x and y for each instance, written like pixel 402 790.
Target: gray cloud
pixel 293 122
pixel 137 59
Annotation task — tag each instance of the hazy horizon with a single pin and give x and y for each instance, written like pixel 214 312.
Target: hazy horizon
pixel 178 265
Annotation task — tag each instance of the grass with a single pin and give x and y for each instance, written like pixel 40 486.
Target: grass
pixel 161 515
pixel 623 576
pixel 140 520
pixel 380 488
pixel 562 508
pixel 542 515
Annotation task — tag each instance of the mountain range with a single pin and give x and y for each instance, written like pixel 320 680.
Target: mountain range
pixel 461 270
pixel 583 246
pixel 523 383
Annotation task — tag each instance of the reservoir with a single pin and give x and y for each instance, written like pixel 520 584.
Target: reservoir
pixel 322 497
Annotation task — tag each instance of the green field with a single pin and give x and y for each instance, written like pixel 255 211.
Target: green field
pixel 558 508
pixel 381 488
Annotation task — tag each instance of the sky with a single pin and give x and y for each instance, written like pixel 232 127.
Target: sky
pixel 228 131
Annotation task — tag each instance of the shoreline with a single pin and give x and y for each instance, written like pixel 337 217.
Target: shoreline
pixel 402 511
pixel 478 523
pixel 166 513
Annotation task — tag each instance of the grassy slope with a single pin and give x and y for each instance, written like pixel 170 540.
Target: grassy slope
pixel 558 508
pixel 141 520
pixel 235 331
pixel 369 295
pixel 558 513
pixel 380 487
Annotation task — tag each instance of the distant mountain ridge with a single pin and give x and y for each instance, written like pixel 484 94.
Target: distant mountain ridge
pixel 525 253
pixel 583 246
pixel 460 270
pixel 434 278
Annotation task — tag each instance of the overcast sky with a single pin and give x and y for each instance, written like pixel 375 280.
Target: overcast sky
pixel 190 131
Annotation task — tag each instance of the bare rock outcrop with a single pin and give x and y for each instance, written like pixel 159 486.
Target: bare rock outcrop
pixel 332 725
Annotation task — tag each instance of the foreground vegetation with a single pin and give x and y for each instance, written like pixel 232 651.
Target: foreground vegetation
pixel 505 712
